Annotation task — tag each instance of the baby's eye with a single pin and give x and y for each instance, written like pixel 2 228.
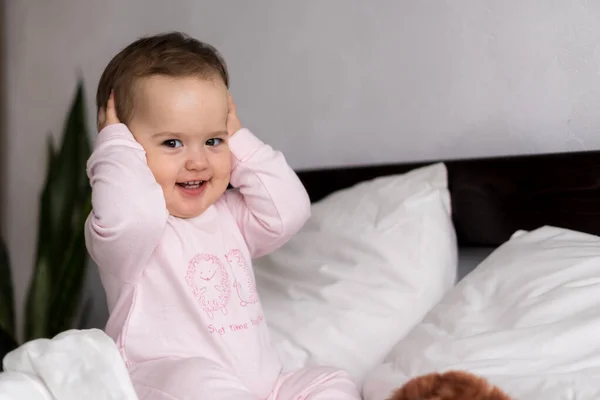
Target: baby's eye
pixel 214 142
pixel 172 143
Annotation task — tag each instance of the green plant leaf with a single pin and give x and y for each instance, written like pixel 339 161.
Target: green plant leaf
pixel 70 272
pixel 7 306
pixel 61 253
pixel 38 301
pixel 68 178
pixel 65 301
pixel 39 294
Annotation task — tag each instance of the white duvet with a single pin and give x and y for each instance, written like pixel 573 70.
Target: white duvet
pixel 528 319
pixel 74 365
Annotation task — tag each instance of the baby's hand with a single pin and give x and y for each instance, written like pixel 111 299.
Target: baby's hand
pixel 108 116
pixel 233 122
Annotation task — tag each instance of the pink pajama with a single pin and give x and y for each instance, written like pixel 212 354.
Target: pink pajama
pixel 184 309
pixel 199 379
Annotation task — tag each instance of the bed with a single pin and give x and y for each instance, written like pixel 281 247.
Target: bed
pixel 527 317
pixel 489 265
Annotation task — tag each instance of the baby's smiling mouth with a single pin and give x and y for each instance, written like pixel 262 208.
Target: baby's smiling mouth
pixel 191 184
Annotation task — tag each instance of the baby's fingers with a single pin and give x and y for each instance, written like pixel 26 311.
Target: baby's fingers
pixel 111 111
pixel 108 116
pixel 230 103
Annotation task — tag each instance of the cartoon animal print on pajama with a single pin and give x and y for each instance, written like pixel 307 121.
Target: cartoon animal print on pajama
pixel 209 280
pixel 244 281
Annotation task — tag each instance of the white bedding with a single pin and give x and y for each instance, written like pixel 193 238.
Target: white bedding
pixel 74 365
pixel 528 319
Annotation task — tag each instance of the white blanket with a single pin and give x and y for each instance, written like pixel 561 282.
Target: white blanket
pixel 528 319
pixel 74 365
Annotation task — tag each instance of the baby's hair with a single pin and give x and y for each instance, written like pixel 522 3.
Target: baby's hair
pixel 173 54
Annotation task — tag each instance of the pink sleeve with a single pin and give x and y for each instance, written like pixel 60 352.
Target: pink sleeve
pixel 129 211
pixel 269 203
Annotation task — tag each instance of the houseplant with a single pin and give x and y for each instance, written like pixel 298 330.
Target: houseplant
pixel 53 299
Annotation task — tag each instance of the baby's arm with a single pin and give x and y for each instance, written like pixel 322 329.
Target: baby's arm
pixel 129 211
pixel 269 203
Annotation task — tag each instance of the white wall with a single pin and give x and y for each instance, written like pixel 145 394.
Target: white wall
pixel 328 82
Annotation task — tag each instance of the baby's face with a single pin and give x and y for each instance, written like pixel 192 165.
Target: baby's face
pixel 182 125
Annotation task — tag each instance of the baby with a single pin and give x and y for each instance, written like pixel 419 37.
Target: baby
pixel 174 246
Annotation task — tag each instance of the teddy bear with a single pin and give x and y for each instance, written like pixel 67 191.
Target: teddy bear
pixel 451 385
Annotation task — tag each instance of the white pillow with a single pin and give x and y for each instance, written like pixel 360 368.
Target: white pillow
pixel 367 266
pixel 528 319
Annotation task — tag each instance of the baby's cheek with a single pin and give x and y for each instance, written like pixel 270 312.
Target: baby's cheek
pixel 160 175
pixel 162 168
pixel 228 160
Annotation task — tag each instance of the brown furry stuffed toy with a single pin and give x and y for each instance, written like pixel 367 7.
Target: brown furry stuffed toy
pixel 452 385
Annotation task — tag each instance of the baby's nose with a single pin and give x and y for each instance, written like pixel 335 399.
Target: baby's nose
pixel 197 160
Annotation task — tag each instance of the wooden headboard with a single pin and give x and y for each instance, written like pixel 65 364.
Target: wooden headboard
pixel 494 197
